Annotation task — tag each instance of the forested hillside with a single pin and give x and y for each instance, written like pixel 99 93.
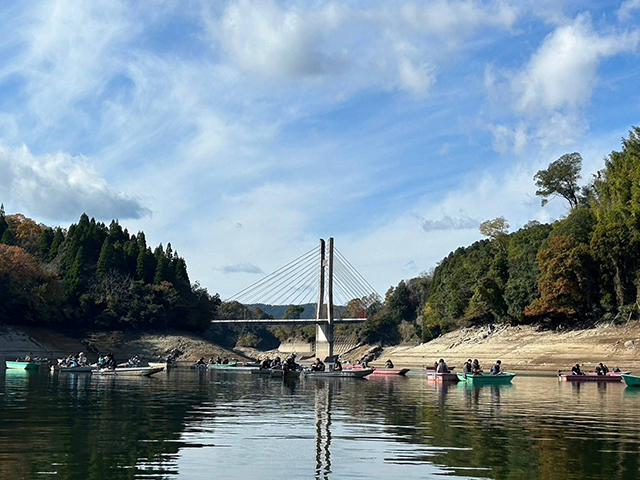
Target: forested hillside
pixel 580 269
pixel 93 275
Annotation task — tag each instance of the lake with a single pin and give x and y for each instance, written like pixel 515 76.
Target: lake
pixel 202 425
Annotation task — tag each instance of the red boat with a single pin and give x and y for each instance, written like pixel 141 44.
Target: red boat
pixel 591 377
pixel 442 377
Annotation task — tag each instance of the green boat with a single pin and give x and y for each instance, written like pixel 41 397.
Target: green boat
pixel 17 365
pixel 631 380
pixel 486 378
pixel 223 366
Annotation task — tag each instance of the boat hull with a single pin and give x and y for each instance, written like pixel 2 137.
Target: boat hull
pixel 131 372
pixel 631 380
pixel 443 377
pixel 486 379
pixel 354 373
pixel 164 365
pixel 83 369
pixel 592 377
pixel 22 365
pixel 389 371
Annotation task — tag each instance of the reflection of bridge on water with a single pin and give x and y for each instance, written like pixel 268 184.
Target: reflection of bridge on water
pixel 323 394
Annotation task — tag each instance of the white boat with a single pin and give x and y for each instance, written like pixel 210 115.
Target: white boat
pixel 131 371
pixel 359 373
pixel 78 369
pixel 163 365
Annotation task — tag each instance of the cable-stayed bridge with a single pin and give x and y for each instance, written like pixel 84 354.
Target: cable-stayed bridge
pixel 323 275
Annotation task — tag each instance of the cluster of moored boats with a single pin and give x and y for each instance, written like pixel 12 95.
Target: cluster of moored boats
pixel 439 372
pixel 78 364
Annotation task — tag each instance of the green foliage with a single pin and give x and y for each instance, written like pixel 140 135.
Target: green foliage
pixel 97 275
pixel 560 178
pixel 293 311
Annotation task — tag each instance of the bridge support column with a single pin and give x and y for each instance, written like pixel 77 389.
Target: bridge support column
pixel 324 340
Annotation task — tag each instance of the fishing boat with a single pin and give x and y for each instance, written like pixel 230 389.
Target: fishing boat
pixel 223 366
pixel 591 377
pixel 486 378
pixel 631 380
pixel 78 369
pixel 22 365
pixel 353 373
pixel 389 371
pixel 233 369
pixel 378 371
pixel 442 377
pixel 164 365
pixel 131 371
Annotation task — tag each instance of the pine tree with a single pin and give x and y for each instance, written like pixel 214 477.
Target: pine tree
pixel 161 270
pixel 74 278
pixel 181 271
pixel 45 243
pixel 58 238
pixel 3 222
pixel 7 238
pixel 107 259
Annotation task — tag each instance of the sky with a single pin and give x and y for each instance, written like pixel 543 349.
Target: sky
pixel 244 131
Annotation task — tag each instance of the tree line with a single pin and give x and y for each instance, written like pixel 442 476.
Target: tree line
pixel 580 269
pixel 94 275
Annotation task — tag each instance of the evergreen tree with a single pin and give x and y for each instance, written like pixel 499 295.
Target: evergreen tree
pixel 3 222
pixel 45 243
pixel 107 259
pixel 181 271
pixel 58 238
pixel 75 277
pixel 161 270
pixel 7 237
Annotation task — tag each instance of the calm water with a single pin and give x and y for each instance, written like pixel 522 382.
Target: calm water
pixel 206 425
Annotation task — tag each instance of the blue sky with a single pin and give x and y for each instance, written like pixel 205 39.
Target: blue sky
pixel 243 131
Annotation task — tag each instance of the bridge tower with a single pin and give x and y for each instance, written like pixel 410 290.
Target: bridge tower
pixel 324 325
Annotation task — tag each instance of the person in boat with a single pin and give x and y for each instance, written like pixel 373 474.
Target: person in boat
pixel 317 366
pixel 290 364
pixel 111 362
pixel 575 370
pixel 388 363
pixel 277 362
pixel 225 361
pixel 604 368
pixel 265 364
pixel 82 359
pixel 200 362
pixel 496 368
pixel 29 357
pixel 466 368
pixel 337 365
pixel 616 369
pixel 219 360
pixel 442 366
pixel 475 367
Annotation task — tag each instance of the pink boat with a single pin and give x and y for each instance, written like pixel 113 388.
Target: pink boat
pixel 442 377
pixel 591 377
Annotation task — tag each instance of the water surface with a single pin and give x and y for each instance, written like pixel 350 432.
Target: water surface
pixel 201 425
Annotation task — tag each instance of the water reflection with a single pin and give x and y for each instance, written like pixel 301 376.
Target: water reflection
pixel 323 393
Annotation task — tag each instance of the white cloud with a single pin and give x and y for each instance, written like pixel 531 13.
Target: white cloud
pixel 563 72
pixel 242 268
pixel 415 79
pixel 449 223
pixel 60 186
pixel 452 18
pixel 263 38
pixel 627 8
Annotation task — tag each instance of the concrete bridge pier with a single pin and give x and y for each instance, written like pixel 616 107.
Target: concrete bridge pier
pixel 324 340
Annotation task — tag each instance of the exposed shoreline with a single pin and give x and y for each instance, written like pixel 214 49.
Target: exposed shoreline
pixel 521 348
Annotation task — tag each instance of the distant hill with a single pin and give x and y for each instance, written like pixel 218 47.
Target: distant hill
pixel 278 310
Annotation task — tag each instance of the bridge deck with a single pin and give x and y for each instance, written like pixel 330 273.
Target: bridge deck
pixel 281 321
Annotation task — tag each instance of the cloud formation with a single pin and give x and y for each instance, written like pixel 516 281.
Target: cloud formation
pixel 60 186
pixel 242 268
pixel 449 223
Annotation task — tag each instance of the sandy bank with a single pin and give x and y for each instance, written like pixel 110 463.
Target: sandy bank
pixel 16 341
pixel 527 348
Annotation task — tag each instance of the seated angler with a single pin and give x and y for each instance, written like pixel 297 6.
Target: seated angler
pixel 442 366
pixel 475 367
pixel 575 370
pixel 337 365
pixel 496 369
pixel 466 368
pixel 388 363
pixel 266 363
pixel 317 366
